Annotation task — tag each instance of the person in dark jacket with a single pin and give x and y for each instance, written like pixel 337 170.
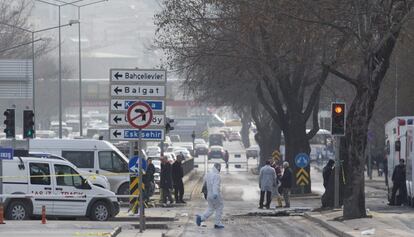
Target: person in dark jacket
pixel 177 177
pixel 398 180
pixel 287 180
pixel 148 180
pixel 226 158
pixel 166 181
pixel 326 172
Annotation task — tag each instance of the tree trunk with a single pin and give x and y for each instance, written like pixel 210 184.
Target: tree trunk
pixel 245 132
pixel 268 138
pixel 296 142
pixel 353 150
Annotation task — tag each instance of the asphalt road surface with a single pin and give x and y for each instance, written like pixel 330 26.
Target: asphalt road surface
pixel 241 194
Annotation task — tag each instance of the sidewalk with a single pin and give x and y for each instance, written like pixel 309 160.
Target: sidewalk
pixel 158 218
pixel 380 225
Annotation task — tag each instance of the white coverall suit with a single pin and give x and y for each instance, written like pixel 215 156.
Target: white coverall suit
pixel 214 199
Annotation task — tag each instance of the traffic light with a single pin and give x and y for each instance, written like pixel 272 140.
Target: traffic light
pixel 338 119
pixel 28 124
pixel 10 130
pixel 168 124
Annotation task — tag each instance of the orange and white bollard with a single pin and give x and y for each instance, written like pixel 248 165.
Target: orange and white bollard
pixel 43 215
pixel 1 214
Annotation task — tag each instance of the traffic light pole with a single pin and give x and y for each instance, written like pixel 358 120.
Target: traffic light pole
pixel 337 168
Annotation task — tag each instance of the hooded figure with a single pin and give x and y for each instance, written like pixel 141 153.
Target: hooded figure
pixel 214 199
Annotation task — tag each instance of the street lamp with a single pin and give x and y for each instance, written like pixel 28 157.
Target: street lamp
pixel 75 4
pixel 80 63
pixel 33 32
pixel 59 6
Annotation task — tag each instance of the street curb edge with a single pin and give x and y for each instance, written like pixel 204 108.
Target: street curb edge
pixel 325 224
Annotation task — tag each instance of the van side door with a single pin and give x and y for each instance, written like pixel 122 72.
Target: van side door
pixel 71 190
pixel 40 185
pixel 114 167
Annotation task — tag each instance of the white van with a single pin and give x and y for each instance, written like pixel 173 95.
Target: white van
pixel 95 179
pixel 55 184
pixel 97 156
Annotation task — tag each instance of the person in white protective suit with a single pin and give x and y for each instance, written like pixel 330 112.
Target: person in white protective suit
pixel 215 201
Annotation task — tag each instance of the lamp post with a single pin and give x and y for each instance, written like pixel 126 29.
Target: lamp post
pixel 80 63
pixel 60 4
pixel 33 32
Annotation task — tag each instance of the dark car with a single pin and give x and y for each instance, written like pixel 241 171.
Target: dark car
pixel 201 149
pixel 216 139
pixel 216 152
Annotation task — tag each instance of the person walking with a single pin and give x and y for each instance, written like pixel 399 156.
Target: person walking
pixel 214 198
pixel 287 181
pixel 226 158
pixel 267 184
pixel 177 177
pixel 166 181
pixel 326 172
pixel 398 180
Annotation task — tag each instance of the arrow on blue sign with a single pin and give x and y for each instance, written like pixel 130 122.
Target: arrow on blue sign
pixel 302 160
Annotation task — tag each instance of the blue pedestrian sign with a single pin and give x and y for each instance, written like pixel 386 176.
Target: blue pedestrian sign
pixel 302 160
pixel 6 153
pixel 134 164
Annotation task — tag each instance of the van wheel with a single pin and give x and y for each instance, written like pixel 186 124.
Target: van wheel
pixel 124 190
pixel 17 210
pixel 100 212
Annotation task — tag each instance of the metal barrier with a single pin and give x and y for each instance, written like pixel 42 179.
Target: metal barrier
pixel 188 165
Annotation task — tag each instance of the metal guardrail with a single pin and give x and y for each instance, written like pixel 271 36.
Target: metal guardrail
pixel 188 166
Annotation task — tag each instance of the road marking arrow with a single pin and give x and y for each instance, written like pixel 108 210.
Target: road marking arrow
pixel 116 133
pixel 117 90
pixel 117 119
pixel 116 104
pixel 117 75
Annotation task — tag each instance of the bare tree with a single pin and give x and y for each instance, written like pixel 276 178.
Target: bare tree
pixel 370 30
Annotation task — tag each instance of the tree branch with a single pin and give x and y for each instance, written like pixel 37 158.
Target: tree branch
pixel 342 76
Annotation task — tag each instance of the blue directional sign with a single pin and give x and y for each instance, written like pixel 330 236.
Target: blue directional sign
pixel 302 160
pixel 134 134
pixel 123 105
pixel 6 153
pixel 133 164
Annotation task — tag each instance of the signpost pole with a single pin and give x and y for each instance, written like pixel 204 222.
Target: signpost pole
pixel 141 196
pixel 337 167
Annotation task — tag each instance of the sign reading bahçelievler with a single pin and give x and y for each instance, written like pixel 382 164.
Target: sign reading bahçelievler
pixel 128 86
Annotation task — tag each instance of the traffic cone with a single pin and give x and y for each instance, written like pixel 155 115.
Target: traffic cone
pixel 1 214
pixel 43 215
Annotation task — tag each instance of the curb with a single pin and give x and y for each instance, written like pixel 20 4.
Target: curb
pixel 325 224
pixel 116 231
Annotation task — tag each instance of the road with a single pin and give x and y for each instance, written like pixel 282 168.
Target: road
pixel 241 216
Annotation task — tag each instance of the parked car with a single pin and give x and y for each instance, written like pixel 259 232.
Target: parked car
pixel 234 136
pixel 201 149
pixel 153 151
pixel 216 139
pixel 39 177
pixel 185 152
pixel 253 152
pixel 216 152
pixel 96 156
pixel 199 141
pixel 45 134
pixel 95 179
pixel 175 138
